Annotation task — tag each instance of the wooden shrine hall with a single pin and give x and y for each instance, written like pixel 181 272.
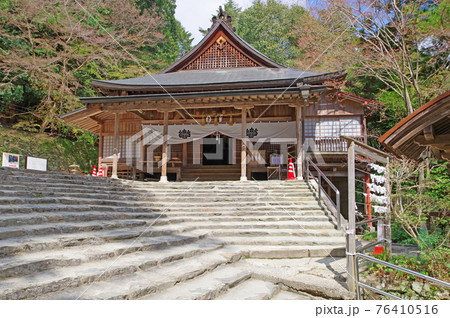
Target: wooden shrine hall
pixel 224 111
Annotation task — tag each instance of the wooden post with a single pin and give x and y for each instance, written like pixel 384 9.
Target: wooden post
pixel 244 146
pixel 185 154
pixel 351 242
pixel 164 148
pixel 115 146
pixel 100 145
pixel 299 137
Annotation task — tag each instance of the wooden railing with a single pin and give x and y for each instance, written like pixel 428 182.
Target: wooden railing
pixel 327 144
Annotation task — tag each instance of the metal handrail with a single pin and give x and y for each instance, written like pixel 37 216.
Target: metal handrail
pixel 321 175
pixel 396 267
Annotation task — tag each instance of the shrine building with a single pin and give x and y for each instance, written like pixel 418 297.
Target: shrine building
pixel 224 111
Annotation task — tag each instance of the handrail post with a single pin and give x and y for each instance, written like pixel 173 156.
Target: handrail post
pixel 338 208
pixel 307 169
pixel 320 187
pixel 358 290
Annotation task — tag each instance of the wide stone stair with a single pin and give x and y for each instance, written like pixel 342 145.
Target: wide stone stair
pixel 80 237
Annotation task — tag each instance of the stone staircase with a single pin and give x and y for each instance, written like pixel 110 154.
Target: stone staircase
pixel 79 237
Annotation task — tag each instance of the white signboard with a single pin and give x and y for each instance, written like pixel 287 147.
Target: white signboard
pixel 10 160
pixel 36 164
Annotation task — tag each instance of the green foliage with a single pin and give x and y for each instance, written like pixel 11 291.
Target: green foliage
pixel 54 52
pixel 59 152
pixel 434 264
pixel 370 236
pixel 399 235
pixel 177 40
pixel 269 27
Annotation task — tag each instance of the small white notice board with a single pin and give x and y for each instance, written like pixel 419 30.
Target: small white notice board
pixel 36 163
pixel 10 160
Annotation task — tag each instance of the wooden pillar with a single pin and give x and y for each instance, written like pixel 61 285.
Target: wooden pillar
pixel 100 145
pixel 351 238
pixel 244 145
pixel 115 146
pixel 185 154
pixel 299 136
pixel 164 148
pixel 141 164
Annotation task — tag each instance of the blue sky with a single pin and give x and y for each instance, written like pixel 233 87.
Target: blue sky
pixel 194 14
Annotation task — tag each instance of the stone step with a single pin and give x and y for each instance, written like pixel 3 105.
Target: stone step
pixel 251 289
pixel 15 219
pixel 29 208
pixel 18 245
pixel 89 274
pixel 147 195
pixel 284 240
pixel 209 220
pixel 294 251
pixel 298 295
pixel 208 286
pixel 241 223
pixel 107 182
pixel 63 228
pixel 314 215
pixel 172 201
pixel 275 233
pixel 187 201
pixel 33 262
pixel 295 229
pixel 148 280
pixel 68 189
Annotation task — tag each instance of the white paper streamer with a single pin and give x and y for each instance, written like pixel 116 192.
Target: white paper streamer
pixel 379 209
pixel 374 188
pixel 377 168
pixel 381 199
pixel 377 179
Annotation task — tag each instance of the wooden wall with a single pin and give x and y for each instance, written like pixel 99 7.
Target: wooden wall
pixel 327 107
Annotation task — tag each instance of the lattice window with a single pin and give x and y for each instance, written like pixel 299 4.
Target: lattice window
pixel 133 151
pixel 332 127
pixel 220 55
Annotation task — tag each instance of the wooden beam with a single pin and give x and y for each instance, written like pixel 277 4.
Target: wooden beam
pixel 192 121
pixel 428 133
pixel 171 106
pixel 440 141
pixel 370 154
pixel 139 113
pixel 90 111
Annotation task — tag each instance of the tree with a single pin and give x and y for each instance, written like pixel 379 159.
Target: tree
pixel 414 193
pixel 323 41
pixel 232 9
pixel 269 27
pixel 177 40
pixel 50 53
pixel 403 44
